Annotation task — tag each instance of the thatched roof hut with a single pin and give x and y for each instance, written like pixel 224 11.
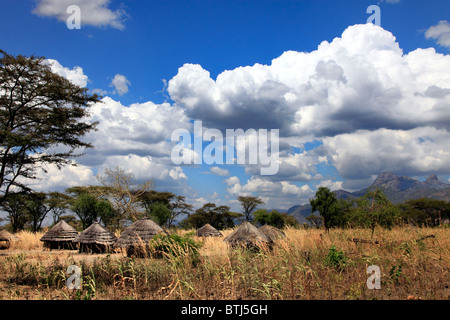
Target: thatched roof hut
pixel 247 235
pixel 136 237
pixel 60 236
pixel 6 238
pixel 271 232
pixel 95 239
pixel 208 231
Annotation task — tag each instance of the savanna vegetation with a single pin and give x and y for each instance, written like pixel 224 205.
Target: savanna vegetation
pixel 42 121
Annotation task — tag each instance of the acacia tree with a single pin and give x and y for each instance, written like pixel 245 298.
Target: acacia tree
pixel 37 207
pixel 17 213
pixel 124 191
pixel 59 204
pixel 373 209
pixel 39 110
pixel 249 204
pixel 219 217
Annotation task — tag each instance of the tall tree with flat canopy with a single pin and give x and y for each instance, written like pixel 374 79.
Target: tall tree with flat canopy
pixel 42 119
pixel 249 204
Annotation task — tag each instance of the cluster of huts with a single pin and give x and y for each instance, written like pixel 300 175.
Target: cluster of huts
pixel 97 239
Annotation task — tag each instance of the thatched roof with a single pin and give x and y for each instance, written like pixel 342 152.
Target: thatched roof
pixel 140 232
pixel 62 231
pixel 247 234
pixel 96 234
pixel 6 236
pixel 271 232
pixel 208 231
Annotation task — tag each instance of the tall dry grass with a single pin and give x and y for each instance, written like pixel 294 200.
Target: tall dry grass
pixel 28 241
pixel 307 264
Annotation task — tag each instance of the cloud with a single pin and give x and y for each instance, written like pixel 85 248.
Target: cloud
pixel 332 185
pixel 143 129
pixel 120 84
pixel 359 81
pixel 440 32
pixel 219 171
pixel 275 194
pixel 59 179
pixel 93 12
pixel 75 75
pixel 374 107
pixel 411 152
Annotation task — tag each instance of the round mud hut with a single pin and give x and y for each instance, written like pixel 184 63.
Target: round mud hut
pixel 272 233
pixel 6 238
pixel 136 237
pixel 95 239
pixel 249 236
pixel 208 231
pixel 60 237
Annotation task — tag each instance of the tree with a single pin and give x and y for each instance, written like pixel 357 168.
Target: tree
pixel 326 203
pixel 147 198
pixel 274 218
pixel 176 204
pixel 373 209
pixel 249 204
pixel 178 207
pixel 14 205
pixel 37 208
pixel 219 217
pixel 89 210
pixel 84 208
pixel 59 203
pixel 425 211
pixel 42 119
pixel 314 220
pixel 159 212
pixel 124 191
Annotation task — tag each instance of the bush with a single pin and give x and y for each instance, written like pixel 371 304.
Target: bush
pixel 174 245
pixel 336 259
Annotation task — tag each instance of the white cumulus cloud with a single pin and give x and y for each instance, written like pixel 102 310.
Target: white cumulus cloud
pixel 440 32
pixel 120 84
pixel 93 12
pixel 75 75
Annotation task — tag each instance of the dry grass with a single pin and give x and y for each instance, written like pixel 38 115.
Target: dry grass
pixel 301 266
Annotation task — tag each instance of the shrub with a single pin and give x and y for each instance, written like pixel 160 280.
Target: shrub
pixel 174 245
pixel 336 259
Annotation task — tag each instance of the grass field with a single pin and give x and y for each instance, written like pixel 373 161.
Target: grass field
pixel 307 264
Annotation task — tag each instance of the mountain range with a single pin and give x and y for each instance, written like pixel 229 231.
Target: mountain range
pixel 397 189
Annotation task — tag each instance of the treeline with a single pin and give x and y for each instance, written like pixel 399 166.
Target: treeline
pixel 374 209
pixel 121 199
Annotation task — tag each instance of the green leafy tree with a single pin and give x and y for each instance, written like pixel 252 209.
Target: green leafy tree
pixel 159 212
pixel 219 217
pixel 59 204
pixel 374 209
pixel 249 204
pixel 176 204
pixel 273 218
pixel 424 211
pixel 42 119
pixel 14 205
pixel 37 207
pixel 89 210
pixel 326 203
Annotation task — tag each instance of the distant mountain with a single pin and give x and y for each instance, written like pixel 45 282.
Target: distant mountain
pixel 396 188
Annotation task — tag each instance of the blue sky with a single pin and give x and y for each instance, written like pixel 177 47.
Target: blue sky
pixel 256 64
